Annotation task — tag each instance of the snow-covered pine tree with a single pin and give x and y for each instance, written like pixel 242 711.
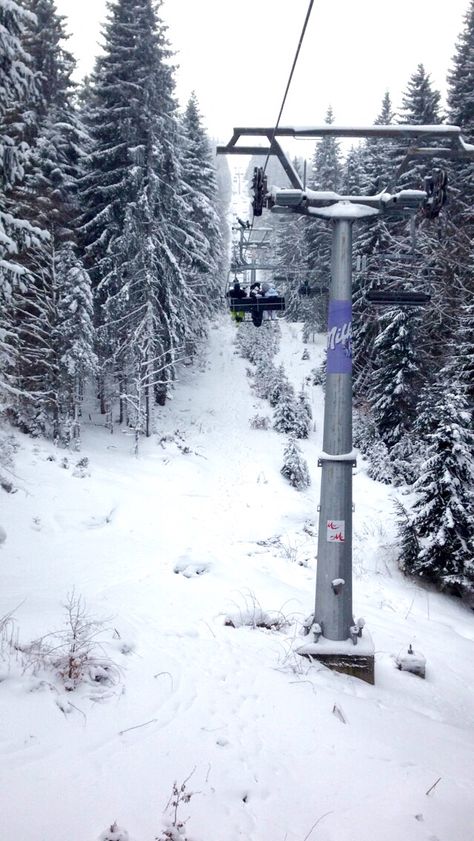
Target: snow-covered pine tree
pixel 461 113
pixel 286 417
pixel 393 386
pixel 459 282
pixel 353 173
pixel 464 340
pixel 265 375
pixel 223 200
pixel 47 196
pixel 418 248
pixel 409 546
pixel 304 416
pixel 133 227
pixel 318 374
pixel 291 250
pixel 295 467
pixel 279 386
pixel 395 379
pixel 441 516
pixel 74 336
pixel 373 243
pixel 378 155
pixel 16 86
pixel 420 101
pixel 405 460
pixel 200 193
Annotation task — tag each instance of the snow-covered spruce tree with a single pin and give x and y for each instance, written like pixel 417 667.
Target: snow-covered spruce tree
pixel 380 468
pixel 295 467
pixel 367 439
pixel 409 545
pixel 420 101
pixel 418 250
pixel 318 373
pixel 286 417
pixel 291 251
pixel 373 244
pixel 16 86
pixel 135 231
pixel 459 283
pixel 265 375
pixel 461 113
pixel 74 335
pixel 464 340
pixel 305 415
pixel 353 173
pixel 259 344
pixel 313 311
pixel 223 201
pixel 388 367
pixel 200 192
pixel 378 156
pixel 405 460
pixel 395 378
pixel 353 183
pixel 47 196
pixel 441 516
pixel 279 386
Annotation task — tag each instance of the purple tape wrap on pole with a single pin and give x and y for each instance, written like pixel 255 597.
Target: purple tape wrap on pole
pixel 339 359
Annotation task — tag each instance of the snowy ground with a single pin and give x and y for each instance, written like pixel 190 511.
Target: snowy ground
pixel 163 547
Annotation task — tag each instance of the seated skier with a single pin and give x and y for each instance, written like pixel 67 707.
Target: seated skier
pixel 269 291
pixel 235 294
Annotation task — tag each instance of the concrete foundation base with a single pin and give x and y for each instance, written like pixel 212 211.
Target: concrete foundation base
pixel 361 667
pixel 343 656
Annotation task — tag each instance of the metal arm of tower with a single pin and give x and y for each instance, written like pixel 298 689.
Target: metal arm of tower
pixel 449 141
pixel 323 204
pixel 274 148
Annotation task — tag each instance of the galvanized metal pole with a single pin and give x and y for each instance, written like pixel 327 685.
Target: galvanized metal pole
pixel 333 610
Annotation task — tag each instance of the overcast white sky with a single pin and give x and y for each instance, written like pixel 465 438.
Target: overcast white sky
pixel 237 54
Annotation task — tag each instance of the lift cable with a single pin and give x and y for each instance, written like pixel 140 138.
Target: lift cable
pixel 261 172
pixel 303 31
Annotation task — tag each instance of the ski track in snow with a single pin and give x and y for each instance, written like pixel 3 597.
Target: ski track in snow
pixel 162 547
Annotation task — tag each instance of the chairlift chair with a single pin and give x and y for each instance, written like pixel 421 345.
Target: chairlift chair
pixel 398 298
pixel 253 307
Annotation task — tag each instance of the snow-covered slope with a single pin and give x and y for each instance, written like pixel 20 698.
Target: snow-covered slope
pixel 162 548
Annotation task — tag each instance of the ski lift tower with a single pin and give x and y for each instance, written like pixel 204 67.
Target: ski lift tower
pixel 335 638
pixel 254 243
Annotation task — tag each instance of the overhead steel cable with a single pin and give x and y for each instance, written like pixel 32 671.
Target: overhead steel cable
pixel 300 42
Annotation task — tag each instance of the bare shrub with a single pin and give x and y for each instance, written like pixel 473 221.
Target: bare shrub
pixel 175 828
pixel 260 422
pixel 77 653
pixel 252 615
pixel 9 648
pixel 114 833
pixel 81 469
